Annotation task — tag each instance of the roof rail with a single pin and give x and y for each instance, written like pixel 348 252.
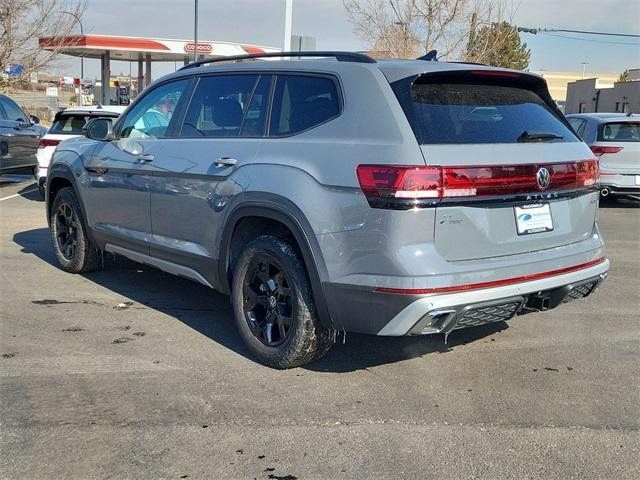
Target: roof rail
pixel 339 56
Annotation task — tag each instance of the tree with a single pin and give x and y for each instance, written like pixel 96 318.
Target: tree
pixel 498 45
pixel 406 28
pixel 624 76
pixel 22 23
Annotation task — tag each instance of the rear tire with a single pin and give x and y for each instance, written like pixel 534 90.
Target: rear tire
pixel 71 245
pixel 273 305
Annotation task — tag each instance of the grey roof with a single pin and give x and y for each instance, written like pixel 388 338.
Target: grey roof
pixel 606 117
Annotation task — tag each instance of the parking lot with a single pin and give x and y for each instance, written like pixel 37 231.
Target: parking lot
pixel 129 372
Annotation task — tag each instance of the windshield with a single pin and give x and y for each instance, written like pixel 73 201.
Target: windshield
pixel 463 112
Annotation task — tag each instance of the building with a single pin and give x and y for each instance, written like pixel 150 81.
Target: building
pixel 590 95
pixel 558 81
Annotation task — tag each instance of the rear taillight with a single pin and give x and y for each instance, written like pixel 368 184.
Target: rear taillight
pixel 406 183
pixel 47 142
pixel 405 187
pixel 601 150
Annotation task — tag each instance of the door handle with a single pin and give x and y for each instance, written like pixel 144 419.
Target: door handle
pixel 226 162
pixel 145 158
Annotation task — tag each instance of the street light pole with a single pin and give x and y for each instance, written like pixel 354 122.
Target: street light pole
pixel 288 7
pixel 195 32
pixel 81 33
pixel 584 66
pixel 79 94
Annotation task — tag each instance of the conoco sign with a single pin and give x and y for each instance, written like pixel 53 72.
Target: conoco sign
pixel 202 47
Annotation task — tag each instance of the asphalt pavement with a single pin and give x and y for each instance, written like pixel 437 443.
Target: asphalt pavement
pixel 129 372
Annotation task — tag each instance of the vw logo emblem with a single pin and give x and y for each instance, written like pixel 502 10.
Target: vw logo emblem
pixel 544 178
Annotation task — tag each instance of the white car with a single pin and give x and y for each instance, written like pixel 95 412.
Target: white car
pixel 67 124
pixel 615 139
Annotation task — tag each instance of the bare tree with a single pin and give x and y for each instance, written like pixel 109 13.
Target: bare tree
pixel 406 28
pixel 22 23
pixel 403 28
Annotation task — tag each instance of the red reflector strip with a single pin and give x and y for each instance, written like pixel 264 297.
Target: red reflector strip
pixel 46 142
pixel 495 283
pixel 600 150
pixel 494 73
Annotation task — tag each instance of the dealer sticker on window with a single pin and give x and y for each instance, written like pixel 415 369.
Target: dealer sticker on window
pixel 534 218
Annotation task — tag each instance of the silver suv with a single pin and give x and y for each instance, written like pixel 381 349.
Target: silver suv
pixel 338 193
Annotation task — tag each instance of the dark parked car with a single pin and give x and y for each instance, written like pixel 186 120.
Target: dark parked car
pixel 19 136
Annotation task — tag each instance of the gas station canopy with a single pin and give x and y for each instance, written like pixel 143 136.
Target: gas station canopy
pixel 144 51
pixel 152 49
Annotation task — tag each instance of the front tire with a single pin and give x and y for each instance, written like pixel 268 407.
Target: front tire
pixel 273 305
pixel 71 245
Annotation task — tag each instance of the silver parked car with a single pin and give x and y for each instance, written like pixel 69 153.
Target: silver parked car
pixel 615 139
pixel 338 193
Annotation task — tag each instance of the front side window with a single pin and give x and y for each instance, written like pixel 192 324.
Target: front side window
pixel 301 102
pixel 150 117
pixel 12 111
pixel 227 106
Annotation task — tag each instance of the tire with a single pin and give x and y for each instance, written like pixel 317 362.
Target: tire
pixel 71 245
pixel 296 336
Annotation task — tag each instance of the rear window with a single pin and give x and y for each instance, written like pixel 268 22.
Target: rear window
pixel 464 113
pixel 71 124
pixel 619 132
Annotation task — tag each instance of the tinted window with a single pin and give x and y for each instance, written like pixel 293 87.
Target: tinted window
pixel 619 132
pixel 301 102
pixel 463 113
pixel 219 105
pixel 150 117
pixel 12 111
pixel 71 124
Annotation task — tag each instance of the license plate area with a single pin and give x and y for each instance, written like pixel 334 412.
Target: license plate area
pixel 533 218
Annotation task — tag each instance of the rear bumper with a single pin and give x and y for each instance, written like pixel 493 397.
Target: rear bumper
pixel 620 182
pixel 394 314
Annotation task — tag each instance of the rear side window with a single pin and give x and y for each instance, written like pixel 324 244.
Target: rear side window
pixel 301 102
pixel 466 113
pixel 619 132
pixel 578 125
pixel 219 105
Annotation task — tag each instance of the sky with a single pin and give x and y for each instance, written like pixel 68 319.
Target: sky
pixel 261 22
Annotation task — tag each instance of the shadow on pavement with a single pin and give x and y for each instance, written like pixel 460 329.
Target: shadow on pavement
pixel 626 201
pixel 210 313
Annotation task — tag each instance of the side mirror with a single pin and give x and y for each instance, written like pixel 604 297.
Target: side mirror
pixel 99 129
pixel 35 119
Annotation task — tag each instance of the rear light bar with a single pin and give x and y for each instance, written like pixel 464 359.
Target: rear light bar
pixel 405 187
pixel 47 142
pixel 601 150
pixel 494 283
pixel 495 73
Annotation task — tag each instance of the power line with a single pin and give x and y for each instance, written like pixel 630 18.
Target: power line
pixel 588 39
pixel 584 32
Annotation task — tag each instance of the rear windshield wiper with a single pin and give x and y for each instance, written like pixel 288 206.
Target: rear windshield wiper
pixel 527 136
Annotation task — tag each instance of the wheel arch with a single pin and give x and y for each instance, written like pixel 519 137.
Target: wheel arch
pixel 289 215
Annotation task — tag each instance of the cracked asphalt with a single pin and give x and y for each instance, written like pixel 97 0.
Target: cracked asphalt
pixel 132 373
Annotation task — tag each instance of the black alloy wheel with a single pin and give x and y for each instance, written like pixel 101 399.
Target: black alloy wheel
pixel 67 231
pixel 267 301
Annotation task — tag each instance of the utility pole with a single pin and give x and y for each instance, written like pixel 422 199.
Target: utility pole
pixel 79 95
pixel 195 32
pixel 288 18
